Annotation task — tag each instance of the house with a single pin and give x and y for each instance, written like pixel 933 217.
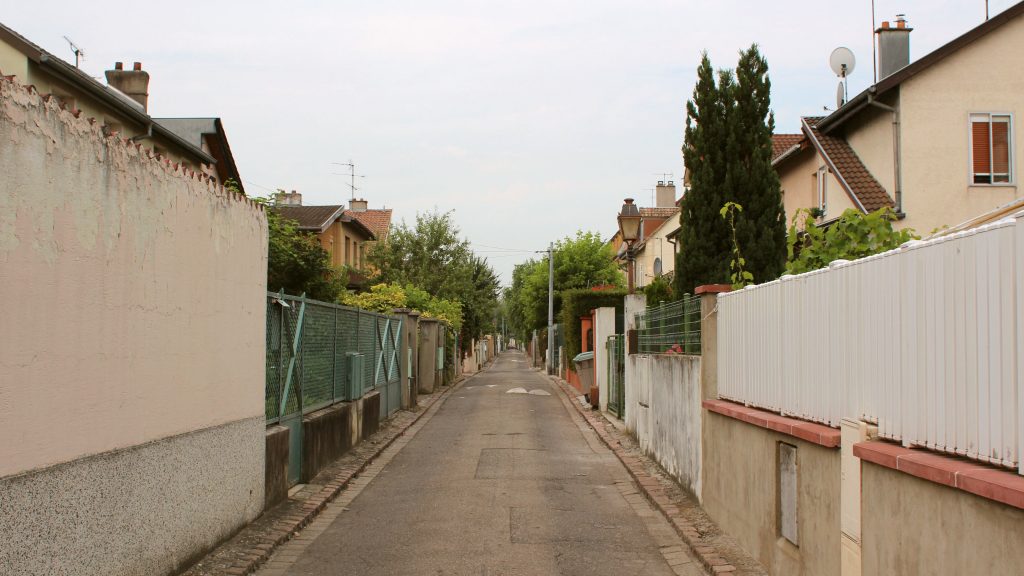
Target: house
pixel 654 253
pixel 378 220
pixel 121 106
pixel 931 139
pixel 340 233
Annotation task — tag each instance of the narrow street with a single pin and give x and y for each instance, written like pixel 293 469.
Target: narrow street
pixel 502 479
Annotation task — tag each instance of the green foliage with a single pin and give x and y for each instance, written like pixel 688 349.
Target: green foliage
pixel 579 302
pixel 728 152
pixel 854 235
pixel 659 291
pixel 386 297
pixel 739 276
pixel 431 257
pixel 297 263
pixel 580 261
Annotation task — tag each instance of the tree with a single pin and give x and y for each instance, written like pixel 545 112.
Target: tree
pixel 431 258
pixel 297 263
pixel 855 235
pixel 580 261
pixel 728 153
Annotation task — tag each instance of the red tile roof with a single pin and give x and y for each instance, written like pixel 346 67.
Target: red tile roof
pixel 377 220
pixel 783 142
pixel 316 218
pixel 651 212
pixel 858 181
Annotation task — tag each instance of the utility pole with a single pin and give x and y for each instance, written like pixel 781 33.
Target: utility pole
pixel 551 308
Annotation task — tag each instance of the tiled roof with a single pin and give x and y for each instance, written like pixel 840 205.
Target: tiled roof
pixel 651 212
pixel 858 181
pixel 783 142
pixel 316 218
pixel 377 220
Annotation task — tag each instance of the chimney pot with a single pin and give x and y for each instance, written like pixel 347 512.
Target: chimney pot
pixel 137 66
pixel 118 65
pixel 885 24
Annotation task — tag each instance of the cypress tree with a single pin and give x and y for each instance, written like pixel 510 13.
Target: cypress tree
pixel 751 180
pixel 704 239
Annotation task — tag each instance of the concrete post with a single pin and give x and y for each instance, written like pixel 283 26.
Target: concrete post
pixel 634 304
pixel 604 326
pixel 427 370
pixel 404 374
pixel 709 338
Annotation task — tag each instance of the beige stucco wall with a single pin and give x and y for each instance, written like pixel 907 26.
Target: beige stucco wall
pixel 981 77
pixel 870 134
pixel 800 190
pixel 740 493
pixel 913 526
pixel 133 296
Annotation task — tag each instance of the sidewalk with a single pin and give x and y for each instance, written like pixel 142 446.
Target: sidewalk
pixel 718 552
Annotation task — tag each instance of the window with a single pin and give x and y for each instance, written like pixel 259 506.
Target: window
pixel 348 251
pixel 991 149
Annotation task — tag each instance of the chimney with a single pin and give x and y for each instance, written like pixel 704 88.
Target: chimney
pixel 292 198
pixel 665 195
pixel 893 46
pixel 134 83
pixel 357 205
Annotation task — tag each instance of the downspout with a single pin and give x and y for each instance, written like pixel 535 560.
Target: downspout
pixel 896 155
pixel 148 134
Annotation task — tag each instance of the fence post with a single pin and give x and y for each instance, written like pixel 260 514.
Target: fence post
pixel 709 338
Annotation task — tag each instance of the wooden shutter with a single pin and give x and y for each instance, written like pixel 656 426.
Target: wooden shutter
pixel 1000 149
pixel 980 151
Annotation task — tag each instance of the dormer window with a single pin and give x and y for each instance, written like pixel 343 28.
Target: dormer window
pixel 991 149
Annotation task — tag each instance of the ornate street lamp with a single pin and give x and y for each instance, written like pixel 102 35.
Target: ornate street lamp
pixel 629 227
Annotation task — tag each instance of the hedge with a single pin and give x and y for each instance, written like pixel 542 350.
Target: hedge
pixel 580 302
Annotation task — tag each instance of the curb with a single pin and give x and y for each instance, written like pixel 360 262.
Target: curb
pixel 290 525
pixel 652 489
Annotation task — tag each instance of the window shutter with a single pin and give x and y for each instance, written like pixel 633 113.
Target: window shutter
pixel 1000 149
pixel 980 151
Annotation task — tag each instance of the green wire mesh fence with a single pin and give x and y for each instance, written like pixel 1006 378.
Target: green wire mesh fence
pixel 672 328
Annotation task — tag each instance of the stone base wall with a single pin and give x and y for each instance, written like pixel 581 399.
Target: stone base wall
pixel 149 509
pixel 276 469
pixel 326 436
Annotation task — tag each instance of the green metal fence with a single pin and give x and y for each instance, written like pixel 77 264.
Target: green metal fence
pixel 320 353
pixel 672 328
pixel 616 347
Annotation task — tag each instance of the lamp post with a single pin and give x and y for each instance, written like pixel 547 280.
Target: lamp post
pixel 629 227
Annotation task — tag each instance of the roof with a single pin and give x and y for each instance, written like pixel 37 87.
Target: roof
pixel 377 220
pixel 192 130
pixel 310 218
pixel 105 94
pixel 920 65
pixel 658 212
pixel 862 187
pixel 782 143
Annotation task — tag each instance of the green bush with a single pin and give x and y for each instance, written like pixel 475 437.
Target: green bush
pixel 580 302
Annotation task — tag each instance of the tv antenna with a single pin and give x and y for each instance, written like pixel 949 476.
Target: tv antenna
pixel 842 63
pixel 351 174
pixel 666 177
pixel 79 53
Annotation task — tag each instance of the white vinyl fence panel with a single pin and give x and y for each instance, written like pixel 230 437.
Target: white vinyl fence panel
pixel 922 341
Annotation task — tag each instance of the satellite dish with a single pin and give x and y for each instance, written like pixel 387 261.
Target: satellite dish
pixel 840 94
pixel 842 61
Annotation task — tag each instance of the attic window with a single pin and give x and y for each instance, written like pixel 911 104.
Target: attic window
pixel 991 149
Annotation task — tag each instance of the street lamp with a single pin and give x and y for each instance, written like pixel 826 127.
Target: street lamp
pixel 629 227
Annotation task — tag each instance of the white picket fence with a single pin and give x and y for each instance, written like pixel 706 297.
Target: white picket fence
pixel 923 341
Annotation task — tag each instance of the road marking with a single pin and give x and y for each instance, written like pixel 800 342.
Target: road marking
pixel 540 392
pixel 517 391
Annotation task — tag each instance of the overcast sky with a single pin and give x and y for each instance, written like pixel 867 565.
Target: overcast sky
pixel 529 119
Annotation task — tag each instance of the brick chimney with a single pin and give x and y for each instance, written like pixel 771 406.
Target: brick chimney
pixel 357 205
pixel 292 198
pixel 893 46
pixel 665 194
pixel 134 82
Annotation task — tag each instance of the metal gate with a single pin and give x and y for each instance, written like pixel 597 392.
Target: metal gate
pixel 616 347
pixel 318 354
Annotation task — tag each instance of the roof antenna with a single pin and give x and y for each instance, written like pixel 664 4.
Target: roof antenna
pixel 79 53
pixel 986 10
pixel 874 49
pixel 351 174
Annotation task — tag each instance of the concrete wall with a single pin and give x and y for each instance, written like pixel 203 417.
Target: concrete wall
pixel 132 370
pixel 671 433
pixel 740 490
pixel 604 326
pixel 275 476
pixel 935 106
pixel 913 526
pixel 634 304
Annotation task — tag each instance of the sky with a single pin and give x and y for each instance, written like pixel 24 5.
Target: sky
pixel 529 119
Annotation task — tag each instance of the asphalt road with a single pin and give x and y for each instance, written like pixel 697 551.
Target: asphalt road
pixel 502 480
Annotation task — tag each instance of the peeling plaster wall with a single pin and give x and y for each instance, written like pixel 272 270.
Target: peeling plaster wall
pixel 133 293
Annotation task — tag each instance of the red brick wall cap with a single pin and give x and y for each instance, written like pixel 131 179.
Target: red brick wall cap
pixel 712 289
pixel 808 431
pixel 977 478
